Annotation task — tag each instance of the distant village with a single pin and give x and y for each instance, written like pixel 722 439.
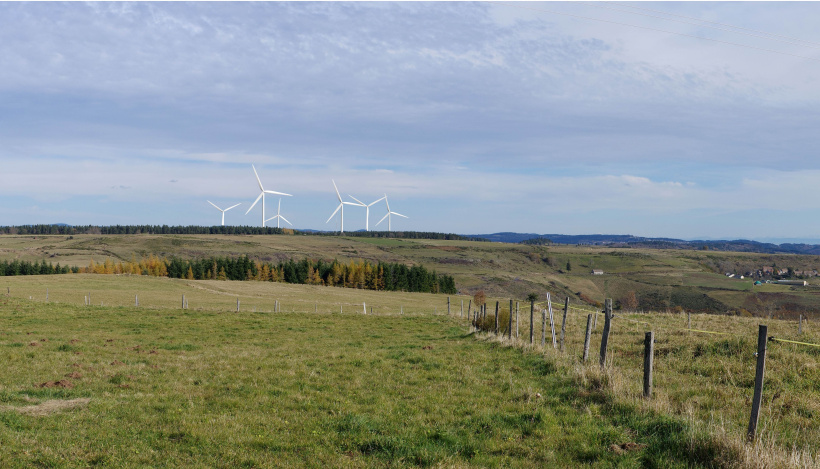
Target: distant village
pixel 773 274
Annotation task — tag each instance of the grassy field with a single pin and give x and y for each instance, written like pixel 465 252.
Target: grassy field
pixel 118 385
pixel 143 387
pixel 502 270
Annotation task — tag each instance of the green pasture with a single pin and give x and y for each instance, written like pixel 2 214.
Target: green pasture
pixel 137 387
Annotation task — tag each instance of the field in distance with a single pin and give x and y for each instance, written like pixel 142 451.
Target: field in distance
pixel 659 279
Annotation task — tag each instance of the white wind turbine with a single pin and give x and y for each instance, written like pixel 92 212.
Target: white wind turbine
pixel 278 216
pixel 367 207
pixel 341 206
pixel 389 213
pixel 223 211
pixel 262 196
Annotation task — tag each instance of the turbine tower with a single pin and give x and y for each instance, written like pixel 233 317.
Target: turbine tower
pixel 389 213
pixel 262 196
pixel 341 206
pixel 279 216
pixel 367 207
pixel 223 211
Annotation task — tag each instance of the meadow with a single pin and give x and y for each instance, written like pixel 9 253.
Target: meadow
pixel 322 383
pixel 661 279
pixel 300 376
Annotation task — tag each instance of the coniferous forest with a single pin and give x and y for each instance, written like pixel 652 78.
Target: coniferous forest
pixel 355 274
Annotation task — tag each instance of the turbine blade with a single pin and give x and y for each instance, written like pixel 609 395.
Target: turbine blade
pixel 337 190
pixel 373 203
pixel 283 218
pixel 388 214
pixel 399 214
pixel 257 178
pixel 237 205
pixel 386 202
pixel 334 213
pixel 355 205
pixel 278 193
pixel 254 203
pixel 357 200
pixel 214 205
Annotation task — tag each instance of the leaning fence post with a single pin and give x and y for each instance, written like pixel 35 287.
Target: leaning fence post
pixel 532 321
pixel 586 338
pixel 759 372
pixel 552 320
pixel 648 359
pixel 496 318
pixel 605 334
pixel 564 323
pixel 509 329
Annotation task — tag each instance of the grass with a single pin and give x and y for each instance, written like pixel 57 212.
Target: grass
pixel 502 270
pixel 126 387
pixel 209 387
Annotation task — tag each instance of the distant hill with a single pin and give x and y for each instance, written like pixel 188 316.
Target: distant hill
pixel 738 245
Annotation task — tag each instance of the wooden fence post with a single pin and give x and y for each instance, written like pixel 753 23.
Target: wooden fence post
pixel 800 326
pixel 237 304
pixel 448 306
pixel 586 338
pixel 543 327
pixel 136 300
pixel 364 308
pixel 605 334
pixel 648 359
pixel 46 294
pixel 552 320
pixel 496 318
pixel 759 372
pixel 183 301
pixel 688 320
pixel 509 329
pixel 469 308
pixel 564 323
pixel 532 321
pixel 595 321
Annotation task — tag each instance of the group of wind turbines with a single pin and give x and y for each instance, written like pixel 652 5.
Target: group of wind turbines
pixel 359 203
pixel 341 207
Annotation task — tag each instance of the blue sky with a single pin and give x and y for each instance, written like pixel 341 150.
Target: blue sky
pixel 472 117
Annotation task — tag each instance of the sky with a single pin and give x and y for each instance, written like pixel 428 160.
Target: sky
pixel 473 117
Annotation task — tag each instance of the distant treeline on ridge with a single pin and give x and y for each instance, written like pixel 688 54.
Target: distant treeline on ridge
pixel 355 274
pixel 68 230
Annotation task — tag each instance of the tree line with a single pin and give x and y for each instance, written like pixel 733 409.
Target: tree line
pixel 354 274
pixel 67 230
pixel 15 267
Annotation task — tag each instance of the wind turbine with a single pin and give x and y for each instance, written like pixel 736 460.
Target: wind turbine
pixel 389 213
pixel 223 211
pixel 341 206
pixel 367 207
pixel 262 196
pixel 278 216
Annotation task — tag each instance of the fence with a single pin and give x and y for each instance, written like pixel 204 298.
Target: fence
pixel 623 335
